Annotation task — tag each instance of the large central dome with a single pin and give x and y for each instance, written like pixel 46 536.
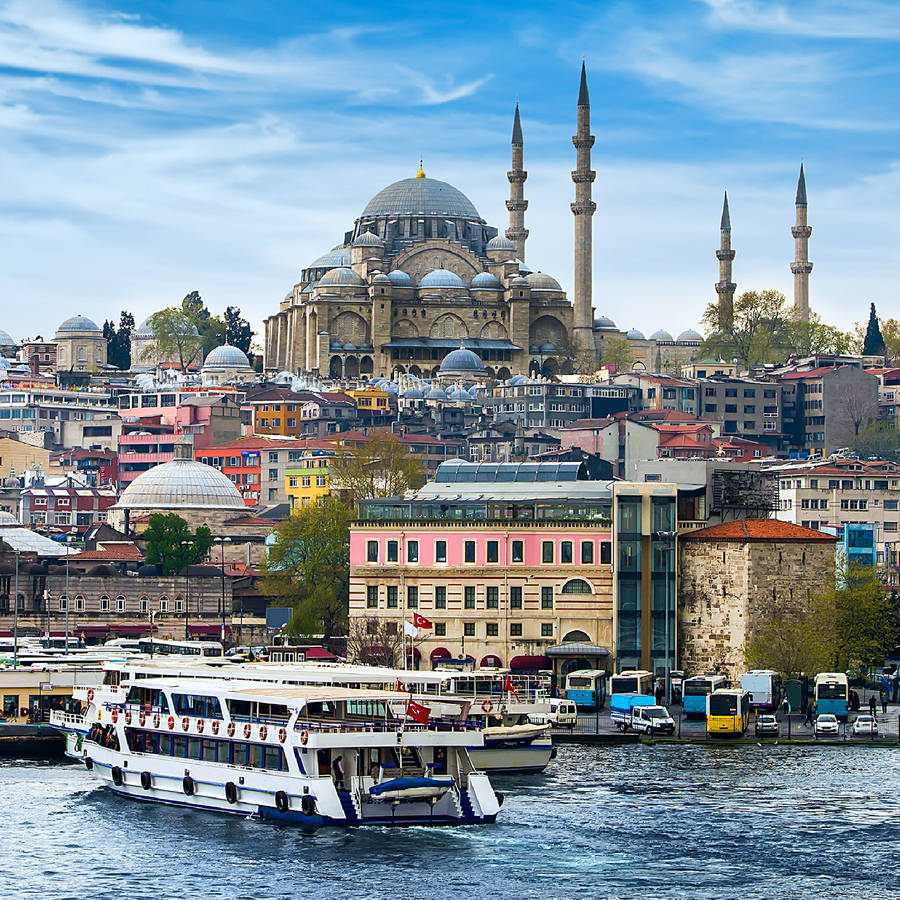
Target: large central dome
pixel 421 197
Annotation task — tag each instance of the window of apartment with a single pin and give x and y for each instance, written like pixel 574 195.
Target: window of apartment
pixel 546 598
pixel 164 604
pixel 469 629
pixel 493 598
pixel 440 597
pixel 273 474
pixel 392 596
pixel 440 629
pixel 440 551
pixel 749 409
pixel 547 551
pixel 546 629
pixel 890 504
pixel 291 423
pixel 104 604
pixel 469 551
pixel 587 553
pixel 63 518
pixel 273 456
pixel 469 596
pixel 306 481
pixel 392 551
pixel 145 605
pixel 276 422
pixel 292 481
pixel 371 551
pixel 493 551
pixel 731 407
pixel 491 629
pixel 120 604
pixel 412 551
pixel 412 596
pixel 565 552
pixel 731 392
pixel 769 395
pixel 710 407
pixel 63 603
pixel 515 597
pixel 515 629
pixel 890 526
pixel 518 551
pixel 749 426
pixel 320 481
pixel 79 603
pixel 372 596
pixel 606 552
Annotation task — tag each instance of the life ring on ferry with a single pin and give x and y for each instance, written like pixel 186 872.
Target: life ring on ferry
pixel 231 792
pixel 117 776
pixel 127 716
pixel 263 732
pixel 115 716
pixel 282 804
pixel 187 785
pixel 142 718
pixel 185 723
pixel 146 781
pixel 171 722
pixel 230 729
pixel 247 730
pixel 156 720
pixel 282 735
pixel 308 805
pixel 214 726
pixel 487 706
pixel 200 726
pixel 304 737
pixel 90 694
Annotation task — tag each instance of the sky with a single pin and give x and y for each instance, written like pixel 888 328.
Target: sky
pixel 150 149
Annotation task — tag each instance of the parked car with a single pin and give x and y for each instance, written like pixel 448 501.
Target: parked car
pixel 866 725
pixel 827 723
pixel 562 713
pixel 767 725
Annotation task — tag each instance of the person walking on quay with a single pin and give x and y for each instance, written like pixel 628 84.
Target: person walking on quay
pixel 809 714
pixel 873 706
pixel 884 703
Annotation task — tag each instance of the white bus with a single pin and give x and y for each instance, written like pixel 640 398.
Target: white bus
pixel 765 688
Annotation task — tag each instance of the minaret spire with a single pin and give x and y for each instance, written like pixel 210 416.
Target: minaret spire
pixel 583 209
pixel 725 287
pixel 801 266
pixel 517 204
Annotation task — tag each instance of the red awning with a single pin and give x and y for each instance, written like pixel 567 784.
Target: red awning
pixel 490 662
pixel 415 654
pixel 209 630
pixel 91 629
pixel 440 653
pixel 529 662
pixel 319 653
pixel 138 630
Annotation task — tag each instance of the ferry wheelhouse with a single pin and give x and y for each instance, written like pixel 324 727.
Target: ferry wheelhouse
pixel 312 755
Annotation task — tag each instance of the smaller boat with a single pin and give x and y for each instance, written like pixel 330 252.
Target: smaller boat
pixel 398 790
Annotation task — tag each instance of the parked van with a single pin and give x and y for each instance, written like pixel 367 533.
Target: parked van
pixel 562 713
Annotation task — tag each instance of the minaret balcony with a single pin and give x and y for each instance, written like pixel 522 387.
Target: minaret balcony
pixel 583 207
pixel 801 268
pixel 515 234
pixel 801 231
pixel 725 255
pixel 580 176
pixel 517 176
pixel 725 287
pixel 583 141
pixel 517 205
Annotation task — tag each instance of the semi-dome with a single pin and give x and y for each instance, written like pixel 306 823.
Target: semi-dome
pixel 500 243
pixel 337 256
pixel 368 239
pixel 77 323
pixel 226 356
pixel 635 334
pixel 400 279
pixel 462 360
pixel 486 281
pixel 689 336
pixel 421 197
pixel 441 278
pixel 540 281
pixel 341 275
pixel 6 340
pixel 662 337
pixel 181 484
pixel 604 323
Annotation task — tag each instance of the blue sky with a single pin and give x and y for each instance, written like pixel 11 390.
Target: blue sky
pixel 150 149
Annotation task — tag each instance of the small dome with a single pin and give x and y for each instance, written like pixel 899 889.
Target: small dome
pixel 485 281
pixel 462 360
pixel 381 278
pixel 689 336
pixel 368 239
pixel 548 347
pixel 349 345
pixel 338 256
pixel 341 275
pixel 400 279
pixel 181 484
pixel 524 269
pixel 226 357
pixel 500 243
pixel 635 335
pixel 604 323
pixel 517 380
pixel 412 394
pixel 662 337
pixel 540 281
pixel 6 340
pixel 143 330
pixel 78 324
pixel 437 393
pixel 520 282
pixel 442 278
pixel 7 518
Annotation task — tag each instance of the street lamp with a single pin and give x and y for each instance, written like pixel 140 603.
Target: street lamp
pixel 222 541
pixel 187 591
pixel 16 616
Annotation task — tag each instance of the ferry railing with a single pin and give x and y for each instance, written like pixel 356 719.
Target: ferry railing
pixel 331 725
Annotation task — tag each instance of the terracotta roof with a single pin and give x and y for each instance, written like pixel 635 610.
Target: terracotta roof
pixel 113 550
pixel 810 373
pixel 747 530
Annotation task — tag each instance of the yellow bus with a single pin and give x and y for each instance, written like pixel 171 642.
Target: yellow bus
pixel 727 712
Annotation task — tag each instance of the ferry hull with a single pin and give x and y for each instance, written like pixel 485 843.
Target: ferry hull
pixel 530 758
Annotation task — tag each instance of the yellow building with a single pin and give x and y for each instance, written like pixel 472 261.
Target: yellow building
pixel 370 400
pixel 308 482
pixel 17 456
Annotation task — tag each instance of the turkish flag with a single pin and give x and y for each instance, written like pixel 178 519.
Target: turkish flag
pixel 509 687
pixel 421 621
pixel 418 712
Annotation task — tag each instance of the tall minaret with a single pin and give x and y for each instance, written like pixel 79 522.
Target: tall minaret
pixel 583 209
pixel 801 266
pixel 517 204
pixel 725 287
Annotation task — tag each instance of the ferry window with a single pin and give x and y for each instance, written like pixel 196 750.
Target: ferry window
pixel 469 629
pixel 546 598
pixel 493 598
pixel 370 708
pixel 606 552
pixel 412 596
pixel 273 758
pixel 547 551
pixel 587 552
pixel 412 551
pixel 239 753
pixel 195 746
pixel 202 707
pixel 392 551
pixel 371 551
pixel 179 745
pixel 515 597
pixel 392 596
pixel 440 597
pixel 515 629
pixel 493 551
pixel 372 596
pixel 565 552
pixel 469 599
pixel 210 750
pixel 255 755
pixel 518 551
pixel 165 744
pixel 240 709
pixel 440 551
pixel 469 552
pixel 10 705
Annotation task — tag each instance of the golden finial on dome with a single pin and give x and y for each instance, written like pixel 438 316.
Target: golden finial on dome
pixel 421 172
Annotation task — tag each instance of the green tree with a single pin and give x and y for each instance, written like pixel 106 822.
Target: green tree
pixel 877 439
pixel 379 467
pixel 814 336
pixel 873 343
pixel 617 353
pixel 123 340
pixel 237 330
pixel 308 569
pixel 175 337
pixel 210 328
pixel 758 333
pixel 165 538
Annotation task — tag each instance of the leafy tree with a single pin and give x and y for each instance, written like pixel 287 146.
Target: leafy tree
pixel 123 340
pixel 873 344
pixel 308 568
pixel 814 336
pixel 380 467
pixel 758 332
pixel 164 547
pixel 878 439
pixel 175 336
pixel 210 328
pixel 617 353
pixel 237 330
pixel 890 332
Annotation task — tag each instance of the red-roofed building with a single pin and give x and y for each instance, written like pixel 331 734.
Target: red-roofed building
pixel 69 509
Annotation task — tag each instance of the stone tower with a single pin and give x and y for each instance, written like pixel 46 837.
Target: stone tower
pixel 583 209
pixel 725 287
pixel 517 204
pixel 801 266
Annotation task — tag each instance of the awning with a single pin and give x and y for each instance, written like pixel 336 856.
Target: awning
pixel 209 630
pixel 91 629
pixel 138 630
pixel 577 648
pixel 529 662
pixel 490 662
pixel 448 344
pixel 319 653
pixel 414 653
pixel 440 653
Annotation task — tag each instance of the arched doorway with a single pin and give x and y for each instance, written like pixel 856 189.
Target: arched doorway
pixel 415 370
pixel 366 367
pixel 336 367
pixel 503 373
pixel 550 368
pixel 351 367
pixel 573 636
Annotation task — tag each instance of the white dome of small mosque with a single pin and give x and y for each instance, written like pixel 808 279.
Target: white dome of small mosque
pixel 500 243
pixel 540 281
pixel 689 336
pixel 77 325
pixel 635 334
pixel 341 275
pixel 441 278
pixel 486 281
pixel 400 279
pixel 662 337
pixel 604 323
pixel 368 239
pixel 461 360
pixel 226 356
pixel 437 393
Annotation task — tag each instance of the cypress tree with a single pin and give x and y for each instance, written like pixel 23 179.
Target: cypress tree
pixel 873 345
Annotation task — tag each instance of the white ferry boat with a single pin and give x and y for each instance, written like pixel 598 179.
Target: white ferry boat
pixel 511 742
pixel 312 755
